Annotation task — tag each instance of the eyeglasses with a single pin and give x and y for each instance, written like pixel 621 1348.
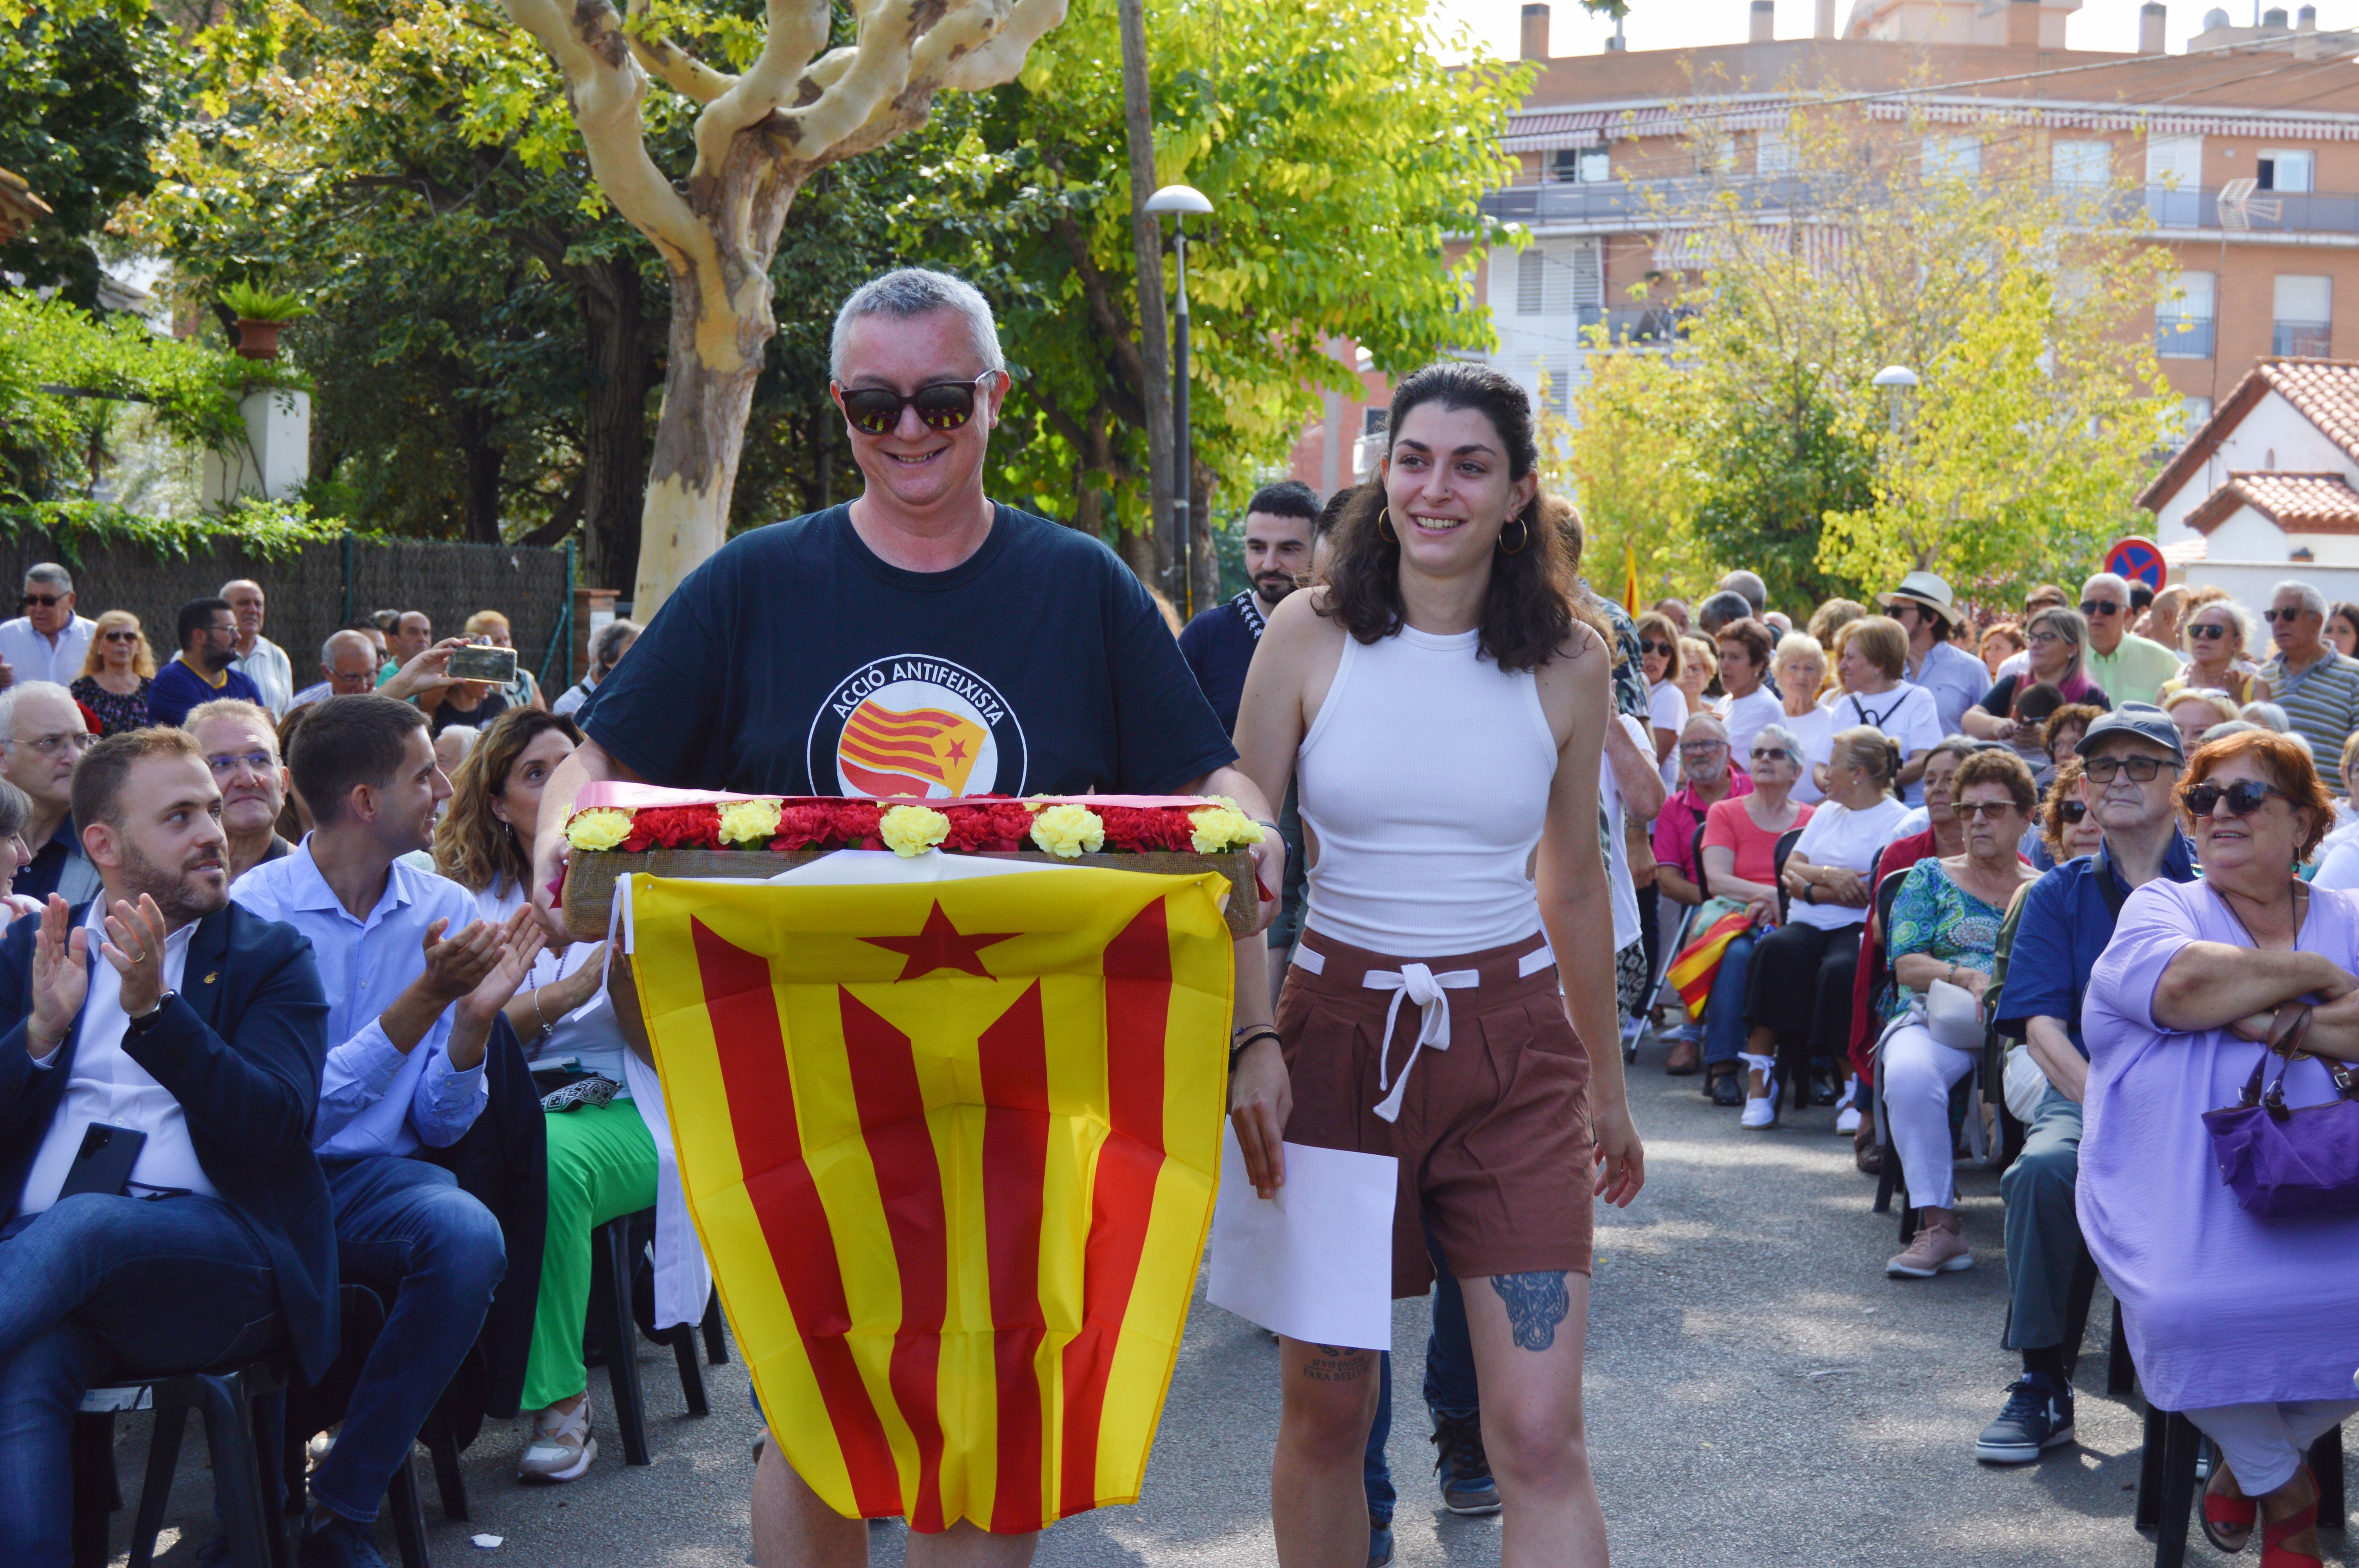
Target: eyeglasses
pixel 1989 810
pixel 2072 810
pixel 2141 769
pixel 228 631
pixel 120 636
pixel 940 406
pixel 51 745
pixel 2274 615
pixel 45 601
pixel 2043 639
pixel 2093 608
pixel 1771 754
pixel 1651 646
pixel 2244 797
pixel 2207 633
pixel 256 762
pixel 1701 748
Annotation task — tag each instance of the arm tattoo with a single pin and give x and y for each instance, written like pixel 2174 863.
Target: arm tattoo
pixel 1536 1303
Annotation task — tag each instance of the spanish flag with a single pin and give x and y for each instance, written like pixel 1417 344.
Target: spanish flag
pixel 1698 964
pixel 952 1148
pixel 889 752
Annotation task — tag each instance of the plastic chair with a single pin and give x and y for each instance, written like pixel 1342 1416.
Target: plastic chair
pixel 616 1251
pixel 363 1318
pixel 226 1398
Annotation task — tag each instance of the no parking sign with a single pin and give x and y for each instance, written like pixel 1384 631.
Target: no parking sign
pixel 2137 559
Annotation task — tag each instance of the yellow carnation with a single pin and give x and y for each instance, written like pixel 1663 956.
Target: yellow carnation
pixel 912 829
pixel 599 827
pixel 754 822
pixel 1071 831
pixel 1220 828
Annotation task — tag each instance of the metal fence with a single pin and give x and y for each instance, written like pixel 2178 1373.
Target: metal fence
pixel 326 585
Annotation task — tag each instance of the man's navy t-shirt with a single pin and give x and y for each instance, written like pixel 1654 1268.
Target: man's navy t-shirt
pixel 798 662
pixel 1219 647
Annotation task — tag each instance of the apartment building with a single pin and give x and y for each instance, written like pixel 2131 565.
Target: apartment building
pixel 2245 147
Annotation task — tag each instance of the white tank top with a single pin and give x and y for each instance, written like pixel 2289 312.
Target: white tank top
pixel 1426 781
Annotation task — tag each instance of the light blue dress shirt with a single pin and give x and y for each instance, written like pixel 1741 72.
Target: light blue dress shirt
pixel 1956 678
pixel 374 1099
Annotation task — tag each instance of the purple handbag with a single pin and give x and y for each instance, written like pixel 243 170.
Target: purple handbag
pixel 2287 1162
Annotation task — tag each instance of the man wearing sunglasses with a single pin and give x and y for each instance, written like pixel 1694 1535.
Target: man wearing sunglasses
pixel 2134 757
pixel 47 642
pixel 2130 667
pixel 917 642
pixel 2318 687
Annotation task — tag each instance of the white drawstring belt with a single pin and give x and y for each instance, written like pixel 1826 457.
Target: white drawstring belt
pixel 1419 984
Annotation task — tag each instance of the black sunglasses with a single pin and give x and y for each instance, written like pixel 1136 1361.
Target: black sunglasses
pixel 2071 810
pixel 2141 769
pixel 940 406
pixel 2244 797
pixel 1651 646
pixel 1989 810
pixel 2209 633
pixel 2274 615
pixel 45 601
pixel 2092 608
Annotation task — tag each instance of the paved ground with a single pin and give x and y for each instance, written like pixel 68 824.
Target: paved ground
pixel 1758 1391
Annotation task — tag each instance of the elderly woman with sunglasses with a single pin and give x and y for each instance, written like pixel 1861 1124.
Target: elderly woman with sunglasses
pixel 2247 1324
pixel 1740 865
pixel 115 676
pixel 2217 636
pixel 1945 925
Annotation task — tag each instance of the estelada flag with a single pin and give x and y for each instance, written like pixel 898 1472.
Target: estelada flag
pixel 952 1149
pixel 1698 963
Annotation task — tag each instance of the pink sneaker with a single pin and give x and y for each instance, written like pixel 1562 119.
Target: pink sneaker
pixel 1935 1249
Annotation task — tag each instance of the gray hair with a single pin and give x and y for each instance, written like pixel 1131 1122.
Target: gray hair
pixel 328 648
pixel 1783 738
pixel 2268 716
pixel 25 688
pixel 2304 594
pixel 604 654
pixel 50 572
pixel 2112 580
pixel 2236 614
pixel 1749 585
pixel 2227 727
pixel 1712 726
pixel 917 291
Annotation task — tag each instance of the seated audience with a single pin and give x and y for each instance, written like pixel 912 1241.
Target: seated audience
pixel 2001 641
pixel 1799 668
pixel 1800 987
pixel 451 744
pixel 1710 777
pixel 2342 627
pixel 1831 616
pixel 1747 703
pixel 257 658
pixel 1740 844
pixel 414 981
pixel 2194 709
pixel 2065 921
pixel 348 665
pixel 2338 852
pixel 1875 653
pixel 1945 922
pixel 2057 655
pixel 2241 1322
pixel 1667 706
pixel 165 1009
pixel 1699 676
pixel 2318 687
pixel 607 646
pixel 201 670
pixel 45 741
pixel 411 633
pixel 49 642
pixel 2218 635
pixel 490 627
pixel 1721 610
pixel 2060 737
pixel 471 703
pixel 2067 831
pixel 241 746
pixel 294 818
pixel 115 676
pixel 602 1152
pixel 14 855
pixel 2034 706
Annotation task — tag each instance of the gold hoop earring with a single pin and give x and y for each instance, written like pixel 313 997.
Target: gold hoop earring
pixel 1521 539
pixel 1385 526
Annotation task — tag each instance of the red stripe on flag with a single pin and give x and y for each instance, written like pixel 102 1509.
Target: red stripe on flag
pixel 909 1184
pixel 1137 969
pixel 753 1053
pixel 1014 1060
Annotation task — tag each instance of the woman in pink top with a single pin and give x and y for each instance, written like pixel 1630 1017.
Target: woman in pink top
pixel 1740 865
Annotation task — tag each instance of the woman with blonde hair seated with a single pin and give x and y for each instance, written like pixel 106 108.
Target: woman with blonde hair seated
pixel 2245 1322
pixel 115 676
pixel 1799 668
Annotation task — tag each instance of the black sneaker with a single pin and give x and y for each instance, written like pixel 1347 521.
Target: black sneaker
pixel 1464 1468
pixel 1380 1541
pixel 2039 1415
pixel 1725 1089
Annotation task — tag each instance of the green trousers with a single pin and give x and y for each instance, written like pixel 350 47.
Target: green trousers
pixel 601 1165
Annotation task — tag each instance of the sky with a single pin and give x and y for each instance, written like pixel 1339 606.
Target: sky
pixel 1671 24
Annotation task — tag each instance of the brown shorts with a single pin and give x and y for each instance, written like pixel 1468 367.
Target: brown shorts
pixel 1493 1135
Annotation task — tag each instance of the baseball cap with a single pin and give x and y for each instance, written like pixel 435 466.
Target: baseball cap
pixel 2143 720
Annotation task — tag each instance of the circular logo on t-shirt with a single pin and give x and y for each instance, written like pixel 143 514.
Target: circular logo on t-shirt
pixel 916 728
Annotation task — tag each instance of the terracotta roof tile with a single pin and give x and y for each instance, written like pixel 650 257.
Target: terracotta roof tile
pixel 2297 502
pixel 2325 392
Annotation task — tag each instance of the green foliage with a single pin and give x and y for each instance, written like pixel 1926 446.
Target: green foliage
pixel 86 90
pixel 272 529
pixel 251 304
pixel 60 369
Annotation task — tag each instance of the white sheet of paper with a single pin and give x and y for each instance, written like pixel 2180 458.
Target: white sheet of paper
pixel 1315 1262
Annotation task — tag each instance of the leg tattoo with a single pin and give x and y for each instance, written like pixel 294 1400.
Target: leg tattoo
pixel 1336 1364
pixel 1536 1302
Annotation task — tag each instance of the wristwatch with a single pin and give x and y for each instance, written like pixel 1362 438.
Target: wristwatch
pixel 147 1020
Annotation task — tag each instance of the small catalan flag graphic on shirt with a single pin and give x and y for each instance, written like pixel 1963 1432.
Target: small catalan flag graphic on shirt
pixel 889 752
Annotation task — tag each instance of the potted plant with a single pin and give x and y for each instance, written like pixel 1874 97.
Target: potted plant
pixel 259 315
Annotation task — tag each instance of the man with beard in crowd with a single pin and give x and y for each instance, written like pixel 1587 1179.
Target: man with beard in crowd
pixel 1219 644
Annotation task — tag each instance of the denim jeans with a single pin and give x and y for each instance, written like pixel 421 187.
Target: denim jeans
pixel 101 1283
pixel 404 1230
pixel 1724 1032
pixel 1448 1381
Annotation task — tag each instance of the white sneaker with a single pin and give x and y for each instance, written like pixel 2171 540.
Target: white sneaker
pixel 1847 1120
pixel 561 1449
pixel 1761 1113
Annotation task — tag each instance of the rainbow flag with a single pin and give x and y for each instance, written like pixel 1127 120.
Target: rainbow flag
pixel 952 1148
pixel 1698 963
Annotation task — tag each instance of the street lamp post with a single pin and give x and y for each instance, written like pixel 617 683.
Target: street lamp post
pixel 1899 382
pixel 1179 200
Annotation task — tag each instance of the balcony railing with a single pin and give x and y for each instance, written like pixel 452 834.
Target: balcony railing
pixel 2183 336
pixel 1635 203
pixel 2302 340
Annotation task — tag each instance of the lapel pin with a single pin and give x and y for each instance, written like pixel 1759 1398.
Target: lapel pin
pixel 209 977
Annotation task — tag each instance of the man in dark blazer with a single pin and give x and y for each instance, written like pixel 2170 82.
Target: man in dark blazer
pixel 165 1013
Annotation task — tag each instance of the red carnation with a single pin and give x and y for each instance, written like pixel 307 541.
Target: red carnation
pixel 971 831
pixel 857 825
pixel 809 826
pixel 673 828
pixel 1141 829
